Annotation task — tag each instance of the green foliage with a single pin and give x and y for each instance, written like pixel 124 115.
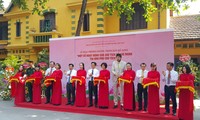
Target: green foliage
pixel 125 7
pixel 43 56
pixel 1 5
pixel 12 61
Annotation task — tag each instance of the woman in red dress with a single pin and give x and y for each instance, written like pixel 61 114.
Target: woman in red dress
pixel 104 87
pixel 153 91
pixel 129 92
pixel 57 85
pixel 37 85
pixel 80 100
pixel 20 88
pixel 186 106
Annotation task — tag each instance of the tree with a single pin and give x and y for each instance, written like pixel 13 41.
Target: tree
pixel 81 17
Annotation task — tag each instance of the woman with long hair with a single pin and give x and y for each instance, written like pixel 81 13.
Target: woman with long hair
pixel 186 97
pixel 20 91
pixel 153 91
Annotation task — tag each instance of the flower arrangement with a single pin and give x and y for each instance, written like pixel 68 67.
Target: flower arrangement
pixel 7 73
pixel 186 59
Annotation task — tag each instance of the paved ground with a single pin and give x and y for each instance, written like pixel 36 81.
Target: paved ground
pixel 8 112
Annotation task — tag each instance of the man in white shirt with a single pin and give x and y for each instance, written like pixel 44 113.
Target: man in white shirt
pixel 91 73
pixel 118 67
pixel 48 72
pixel 170 78
pixel 70 87
pixel 140 75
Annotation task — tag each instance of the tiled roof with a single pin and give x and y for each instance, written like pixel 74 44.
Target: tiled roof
pixel 186 27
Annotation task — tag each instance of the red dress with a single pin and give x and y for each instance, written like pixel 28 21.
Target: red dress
pixel 153 94
pixel 13 88
pixel 104 89
pixel 57 87
pixel 20 89
pixel 186 106
pixel 80 100
pixel 37 87
pixel 129 92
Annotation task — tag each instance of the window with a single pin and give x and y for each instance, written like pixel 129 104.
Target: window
pixel 185 45
pixel 191 45
pixel 18 29
pixel 197 45
pixel 137 22
pixel 86 22
pixel 48 24
pixel 4 30
pixel 178 45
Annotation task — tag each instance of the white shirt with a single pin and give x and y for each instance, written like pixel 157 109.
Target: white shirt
pixel 118 67
pixel 139 75
pixel 173 79
pixel 48 72
pixel 95 73
pixel 69 75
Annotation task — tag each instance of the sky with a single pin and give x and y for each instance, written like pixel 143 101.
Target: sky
pixel 194 8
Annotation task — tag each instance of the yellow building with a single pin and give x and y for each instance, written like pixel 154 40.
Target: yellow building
pixel 29 33
pixel 186 36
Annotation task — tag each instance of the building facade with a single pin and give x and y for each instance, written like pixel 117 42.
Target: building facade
pixel 29 33
pixel 186 36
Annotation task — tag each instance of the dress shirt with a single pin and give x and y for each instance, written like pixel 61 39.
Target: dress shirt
pixel 173 78
pixel 49 72
pixel 139 75
pixel 95 74
pixel 69 75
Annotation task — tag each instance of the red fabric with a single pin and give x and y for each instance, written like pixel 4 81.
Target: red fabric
pixel 37 87
pixel 57 87
pixel 80 100
pixel 153 94
pixel 186 97
pixel 20 89
pixel 13 88
pixel 129 92
pixel 150 80
pixel 103 99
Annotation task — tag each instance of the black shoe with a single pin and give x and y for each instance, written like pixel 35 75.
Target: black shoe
pixel 90 105
pixel 145 109
pixel 68 103
pixel 115 106
pixel 122 107
pixel 174 114
pixel 47 102
pixel 166 113
pixel 139 109
pixel 29 101
pixel 72 104
pixel 96 106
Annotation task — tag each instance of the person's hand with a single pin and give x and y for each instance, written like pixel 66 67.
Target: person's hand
pixel 90 74
pixel 164 73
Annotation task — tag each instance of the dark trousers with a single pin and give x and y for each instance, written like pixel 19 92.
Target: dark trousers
pixel 170 92
pixel 48 92
pixel 93 89
pixel 140 91
pixel 30 92
pixel 70 93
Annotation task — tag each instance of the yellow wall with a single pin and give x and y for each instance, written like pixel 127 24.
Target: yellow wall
pixel 67 15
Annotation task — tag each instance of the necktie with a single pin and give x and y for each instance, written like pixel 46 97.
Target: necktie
pixel 169 77
pixel 69 76
pixel 142 76
pixel 92 74
pixel 50 71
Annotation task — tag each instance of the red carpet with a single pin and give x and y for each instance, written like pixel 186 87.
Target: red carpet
pixel 96 111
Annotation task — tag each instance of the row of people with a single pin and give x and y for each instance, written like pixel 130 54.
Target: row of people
pixel 76 93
